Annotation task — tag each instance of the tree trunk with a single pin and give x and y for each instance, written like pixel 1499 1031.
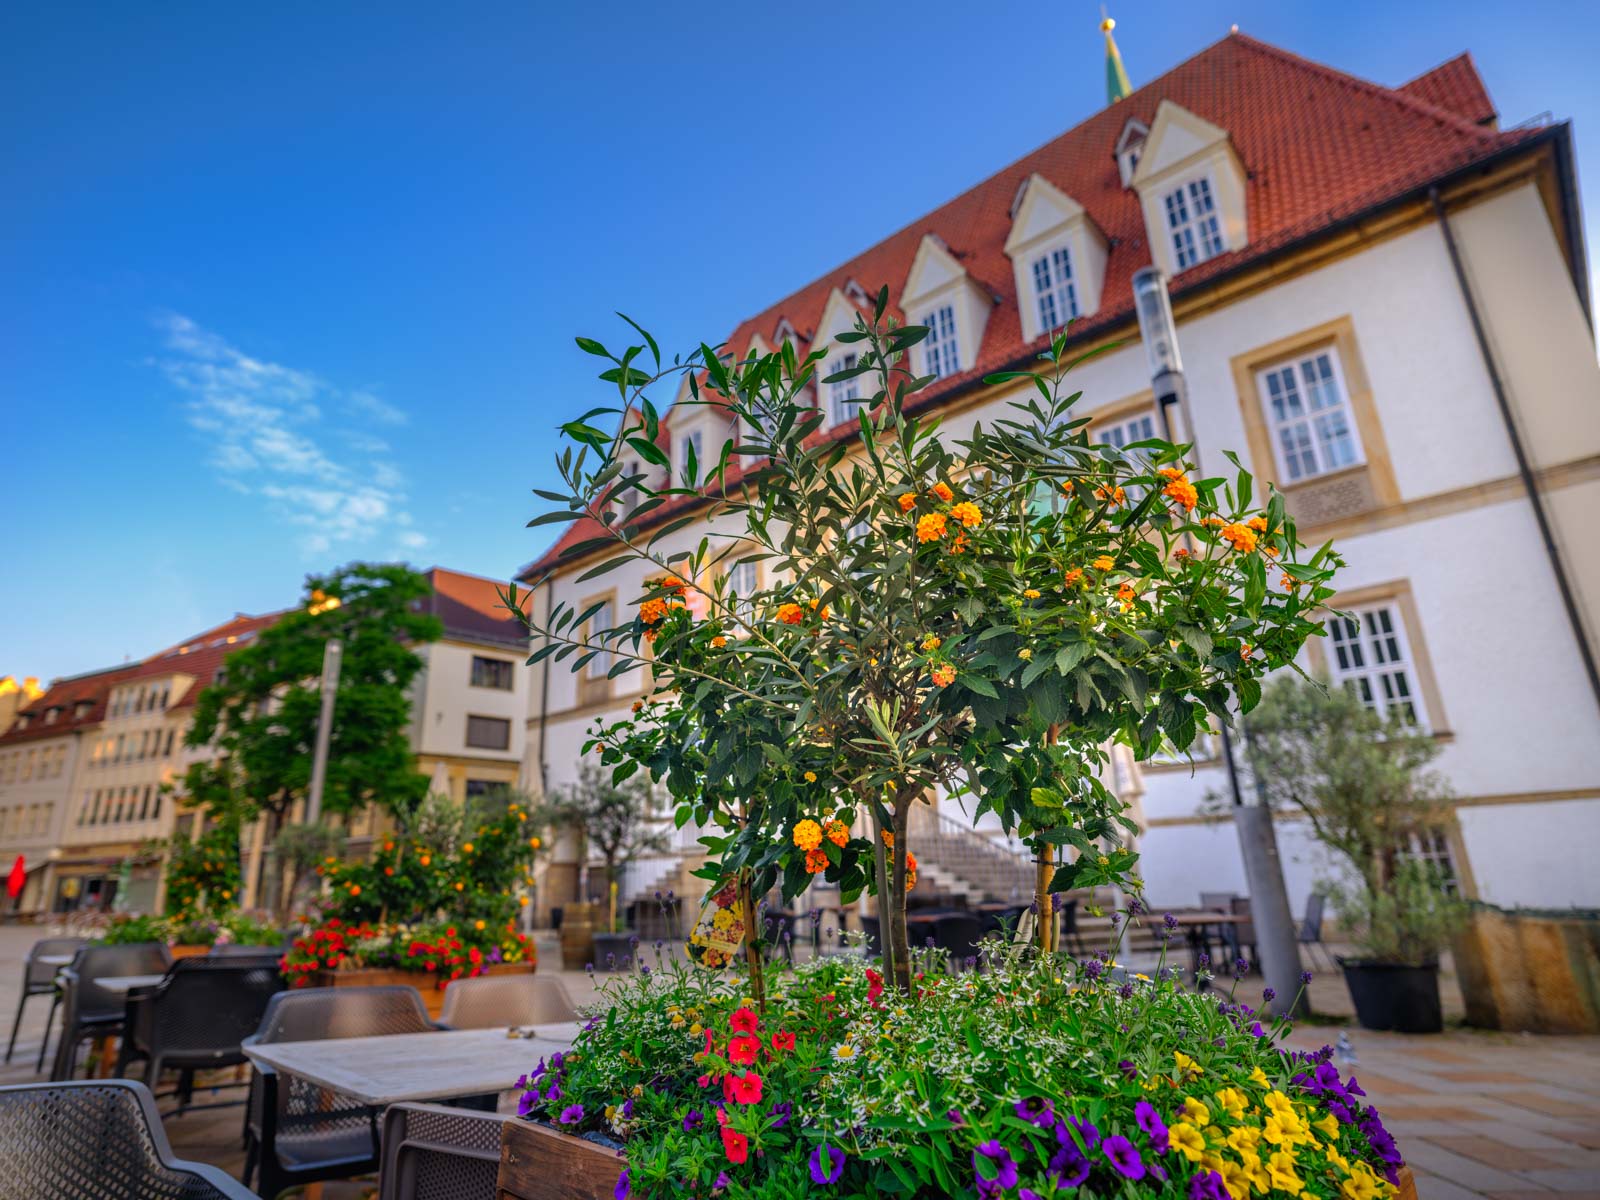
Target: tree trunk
pixel 1044 927
pixel 881 871
pixel 752 941
pixel 894 920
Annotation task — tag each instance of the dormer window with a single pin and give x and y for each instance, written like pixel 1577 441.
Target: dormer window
pixel 1130 146
pixel 844 395
pixel 941 349
pixel 691 450
pixel 1054 290
pixel 1192 223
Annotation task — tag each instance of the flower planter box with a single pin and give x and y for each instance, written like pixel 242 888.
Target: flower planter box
pixel 430 985
pixel 541 1163
pixel 1530 972
pixel 189 950
pixel 1393 997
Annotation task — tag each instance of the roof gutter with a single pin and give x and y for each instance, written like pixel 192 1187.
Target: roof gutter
pixel 1513 435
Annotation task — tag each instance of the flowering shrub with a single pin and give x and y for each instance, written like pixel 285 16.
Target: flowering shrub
pixel 1029 1077
pixel 447 952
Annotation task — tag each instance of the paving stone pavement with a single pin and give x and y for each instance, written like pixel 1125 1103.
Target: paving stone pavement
pixel 1506 1116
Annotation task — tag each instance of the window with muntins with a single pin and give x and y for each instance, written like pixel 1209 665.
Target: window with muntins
pixel 844 397
pixel 492 673
pixel 1370 656
pixel 1053 287
pixel 1192 221
pixel 941 355
pixel 696 440
pixel 489 733
pixel 600 665
pixel 1308 415
pixel 743 580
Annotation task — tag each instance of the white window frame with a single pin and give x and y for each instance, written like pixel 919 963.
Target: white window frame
pixel 1293 470
pixel 844 395
pixel 1194 236
pixel 744 581
pixel 1055 287
pixel 1369 651
pixel 600 665
pixel 941 349
pixel 1123 428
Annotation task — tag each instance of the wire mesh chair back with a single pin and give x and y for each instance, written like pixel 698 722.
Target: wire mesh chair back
pixel 207 1006
pixel 38 976
pixel 1244 932
pixel 435 1153
pixel 310 1014
pixel 492 1001
pixel 96 1140
pixel 958 934
pixel 87 1000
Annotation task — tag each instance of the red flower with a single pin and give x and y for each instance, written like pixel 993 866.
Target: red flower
pixel 874 986
pixel 742 1089
pixel 783 1041
pixel 743 1048
pixel 704 1081
pixel 744 1021
pixel 735 1145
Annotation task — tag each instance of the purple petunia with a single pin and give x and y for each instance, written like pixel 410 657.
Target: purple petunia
pixel 620 1192
pixel 526 1102
pixel 827 1164
pixel 571 1115
pixel 1146 1117
pixel 1087 1132
pixel 692 1120
pixel 1068 1167
pixel 1123 1156
pixel 781 1112
pixel 1208 1185
pixel 992 1156
pixel 720 1183
pixel 955 1118
pixel 1036 1110
pixel 1128 1069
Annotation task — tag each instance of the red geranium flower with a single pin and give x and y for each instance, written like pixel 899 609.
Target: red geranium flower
pixel 783 1041
pixel 742 1089
pixel 874 987
pixel 744 1021
pixel 743 1048
pixel 735 1145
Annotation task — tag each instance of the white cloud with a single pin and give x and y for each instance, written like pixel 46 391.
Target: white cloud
pixel 263 422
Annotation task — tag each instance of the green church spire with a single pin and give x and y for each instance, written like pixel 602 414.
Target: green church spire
pixel 1117 85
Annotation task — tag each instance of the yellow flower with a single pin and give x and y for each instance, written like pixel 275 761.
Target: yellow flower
pixel 1195 1112
pixel 1104 563
pixel 931 643
pixel 1279 1103
pixel 1103 861
pixel 1360 1187
pixel 1240 537
pixel 1187 1067
pixel 1187 1141
pixel 1030 593
pixel 1236 1178
pixel 942 490
pixel 1281 1170
pixel 1328 1126
pixel 1024 654
pixel 808 835
pixel 811 776
pixel 1285 1129
pixel 790 614
pixel 907 502
pixel 723 919
pixel 1259 1077
pixel 479 924
pixel 1244 1140
pixel 967 513
pixel 467 849
pixel 1234 1101
pixel 718 642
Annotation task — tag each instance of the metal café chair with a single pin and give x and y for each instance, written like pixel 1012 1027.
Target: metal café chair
pixel 1241 935
pixel 1310 932
pixel 97 1139
pixel 91 1011
pixel 1217 901
pixel 297 1131
pixel 39 979
pixel 431 1152
pixel 197 1017
pixel 958 934
pixel 500 1001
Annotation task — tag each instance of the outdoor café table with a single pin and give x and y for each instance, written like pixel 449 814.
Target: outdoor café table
pixel 53 960
pixel 126 983
pixel 1197 926
pixel 437 1065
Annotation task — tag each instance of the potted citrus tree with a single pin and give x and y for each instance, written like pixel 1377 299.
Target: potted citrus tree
pixel 1361 783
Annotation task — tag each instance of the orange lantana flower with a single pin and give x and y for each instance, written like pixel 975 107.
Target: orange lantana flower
pixel 1181 490
pixel 790 614
pixel 652 610
pixel 837 832
pixel 907 502
pixel 718 642
pixel 1104 563
pixel 1240 537
pixel 1259 524
pixel 930 527
pixel 942 490
pixel 967 513
pixel 807 835
pixel 1072 577
pixel 944 675
pixel 816 862
pixel 1115 495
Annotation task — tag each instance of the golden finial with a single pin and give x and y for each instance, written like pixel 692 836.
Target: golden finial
pixel 1107 25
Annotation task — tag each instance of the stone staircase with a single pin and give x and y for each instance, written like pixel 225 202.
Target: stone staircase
pixel 957 859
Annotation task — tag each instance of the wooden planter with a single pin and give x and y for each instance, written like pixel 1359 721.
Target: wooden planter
pixel 1533 972
pixel 541 1163
pixel 429 984
pixel 189 951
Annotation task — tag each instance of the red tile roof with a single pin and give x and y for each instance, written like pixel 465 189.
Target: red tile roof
pixel 1454 86
pixel 1318 146
pixel 66 694
pixel 470 608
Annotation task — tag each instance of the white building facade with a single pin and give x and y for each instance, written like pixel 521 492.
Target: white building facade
pixel 1381 297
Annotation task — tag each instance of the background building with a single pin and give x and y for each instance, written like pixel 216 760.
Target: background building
pixel 1382 307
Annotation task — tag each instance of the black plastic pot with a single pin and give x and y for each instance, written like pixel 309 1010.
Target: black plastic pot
pixel 1396 997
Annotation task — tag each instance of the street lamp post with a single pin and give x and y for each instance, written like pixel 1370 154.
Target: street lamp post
pixel 1276 943
pixel 332 658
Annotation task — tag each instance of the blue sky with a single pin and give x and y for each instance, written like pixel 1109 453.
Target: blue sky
pixel 286 286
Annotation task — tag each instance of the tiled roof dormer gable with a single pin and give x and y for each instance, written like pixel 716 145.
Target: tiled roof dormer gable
pixel 1130 148
pixel 840 400
pixel 1191 186
pixel 940 294
pixel 702 424
pixel 1058 258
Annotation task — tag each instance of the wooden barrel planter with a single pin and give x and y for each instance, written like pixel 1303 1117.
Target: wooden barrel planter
pixel 541 1163
pixel 188 950
pixel 577 935
pixel 430 985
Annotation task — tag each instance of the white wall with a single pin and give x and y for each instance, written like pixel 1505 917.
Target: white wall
pixel 446 696
pixel 1542 855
